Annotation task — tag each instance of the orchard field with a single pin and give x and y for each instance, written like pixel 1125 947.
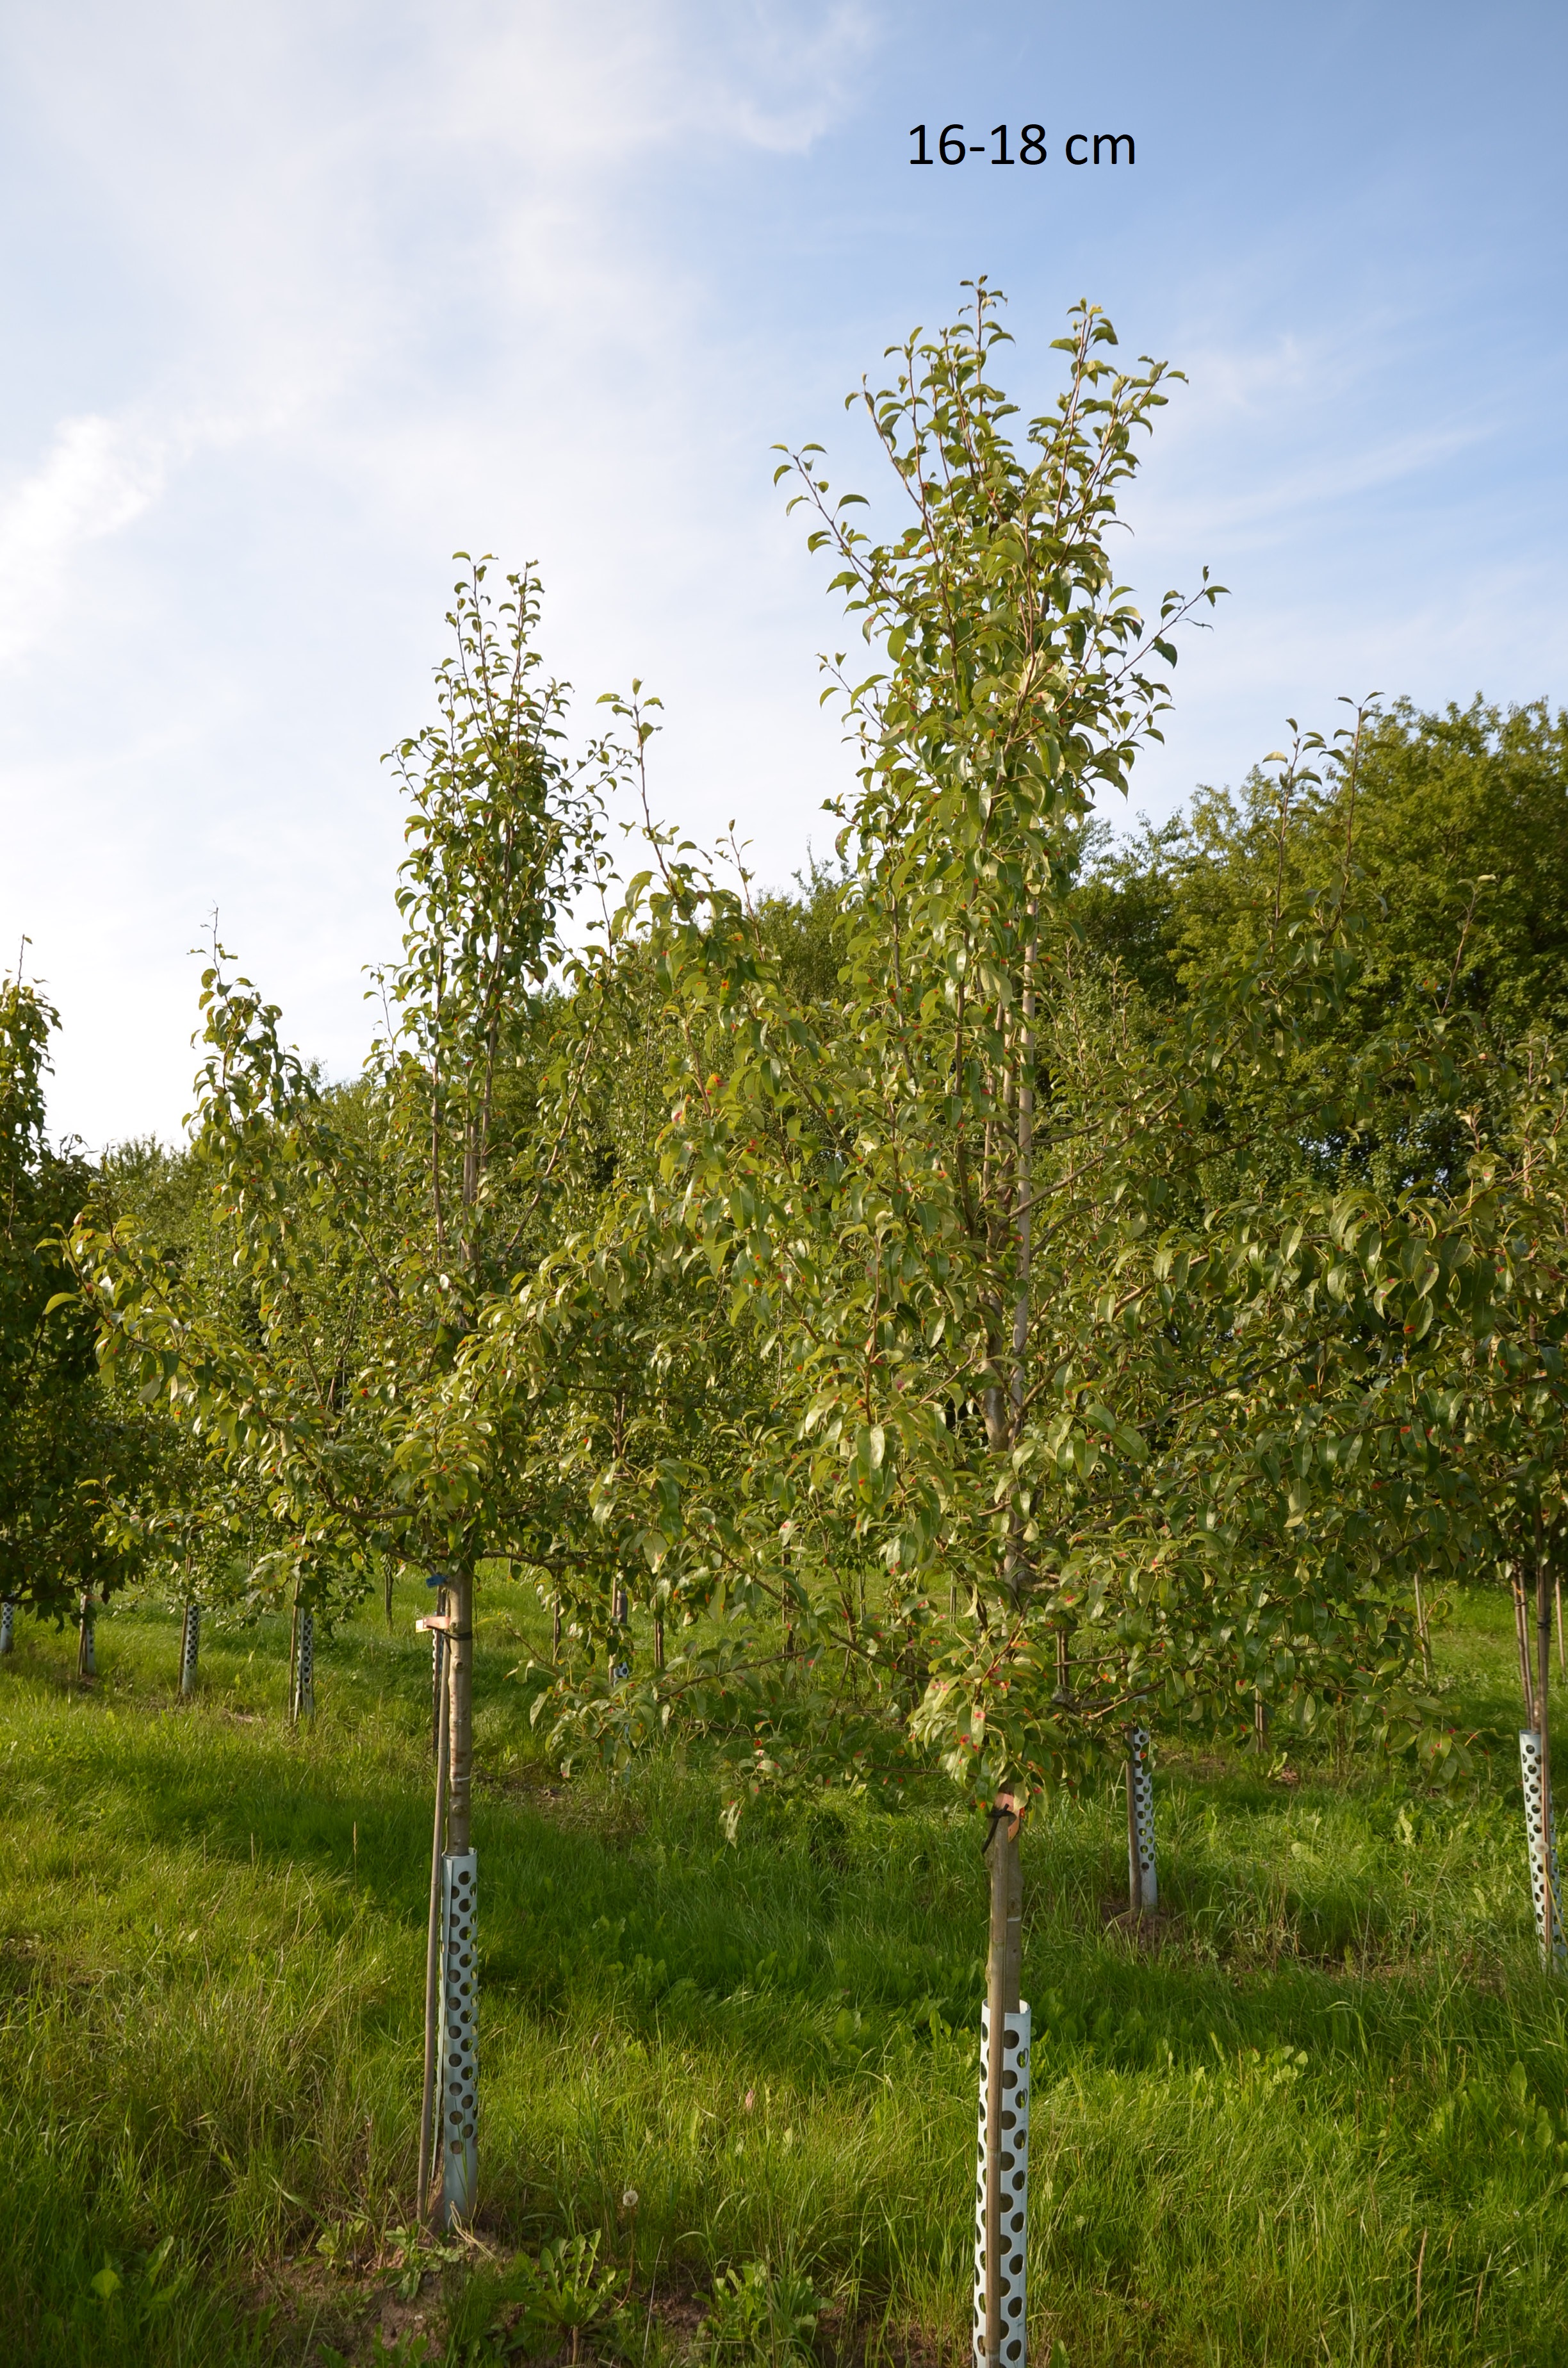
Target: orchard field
pixel 1321 2113
pixel 830 1371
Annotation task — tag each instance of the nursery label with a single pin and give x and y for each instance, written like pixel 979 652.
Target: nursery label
pixel 1026 144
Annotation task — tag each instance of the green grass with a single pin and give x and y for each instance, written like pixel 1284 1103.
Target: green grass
pixel 1325 2120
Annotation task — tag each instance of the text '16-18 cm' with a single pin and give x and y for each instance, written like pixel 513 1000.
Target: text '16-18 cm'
pixel 952 148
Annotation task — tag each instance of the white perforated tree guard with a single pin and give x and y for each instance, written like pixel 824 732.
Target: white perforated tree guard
pixel 87 1642
pixel 1142 1880
pixel 190 1646
pixel 1530 1770
pixel 1015 2140
pixel 305 1668
pixel 7 1625
pixel 458 2111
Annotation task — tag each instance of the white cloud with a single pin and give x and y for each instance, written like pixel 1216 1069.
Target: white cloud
pixel 95 479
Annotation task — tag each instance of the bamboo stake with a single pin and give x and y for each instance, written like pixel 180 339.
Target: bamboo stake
pixel 432 1951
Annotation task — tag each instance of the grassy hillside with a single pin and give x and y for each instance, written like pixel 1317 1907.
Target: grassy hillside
pixel 1322 2116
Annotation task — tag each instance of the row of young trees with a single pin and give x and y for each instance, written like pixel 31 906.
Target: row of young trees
pixel 1022 1291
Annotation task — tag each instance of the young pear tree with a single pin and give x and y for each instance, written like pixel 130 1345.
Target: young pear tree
pixel 964 1219
pixel 365 1232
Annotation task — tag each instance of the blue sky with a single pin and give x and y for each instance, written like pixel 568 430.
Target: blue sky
pixel 297 300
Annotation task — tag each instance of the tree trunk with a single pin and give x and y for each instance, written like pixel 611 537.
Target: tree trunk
pixel 1549 1935
pixel 1003 2202
pixel 460 1679
pixel 1423 1630
pixel 1143 1884
pixel 1023 1245
pixel 1535 1761
pixel 1521 1637
pixel 86 1646
pixel 620 1647
pixel 432 1934
pixel 460 1968
pixel 189 1647
pixel 305 1666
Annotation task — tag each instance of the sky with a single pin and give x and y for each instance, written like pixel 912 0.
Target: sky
pixel 296 300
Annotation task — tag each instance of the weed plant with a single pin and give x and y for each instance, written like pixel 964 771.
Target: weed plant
pixel 1320 2115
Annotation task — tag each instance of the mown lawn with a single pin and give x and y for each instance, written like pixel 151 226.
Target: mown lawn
pixel 1325 2118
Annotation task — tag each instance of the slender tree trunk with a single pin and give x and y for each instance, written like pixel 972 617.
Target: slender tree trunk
pixel 460 1666
pixel 1423 1630
pixel 86 1644
pixel 659 1642
pixel 1003 1972
pixel 432 1934
pixel 189 1648
pixel 620 1650
pixel 1521 1637
pixel 305 1667
pixel 1543 1656
pixel 459 1969
pixel 1023 1240
pixel 1142 1880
